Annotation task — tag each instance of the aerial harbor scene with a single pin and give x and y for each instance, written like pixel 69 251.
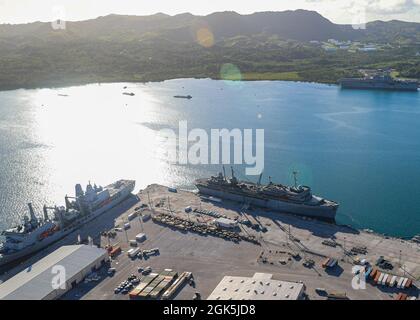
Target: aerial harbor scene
pixel 182 157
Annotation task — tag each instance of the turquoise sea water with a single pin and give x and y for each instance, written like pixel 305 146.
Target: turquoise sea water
pixel 359 148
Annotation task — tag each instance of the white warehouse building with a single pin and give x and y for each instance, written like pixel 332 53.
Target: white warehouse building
pixel 41 280
pixel 259 287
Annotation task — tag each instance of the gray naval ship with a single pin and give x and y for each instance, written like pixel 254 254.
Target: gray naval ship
pixel 290 199
pixel 35 233
pixel 381 80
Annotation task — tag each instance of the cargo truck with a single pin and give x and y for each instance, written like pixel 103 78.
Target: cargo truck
pixel 132 253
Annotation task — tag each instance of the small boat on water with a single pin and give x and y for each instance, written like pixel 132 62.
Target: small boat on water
pixel 128 93
pixel 63 95
pixel 183 97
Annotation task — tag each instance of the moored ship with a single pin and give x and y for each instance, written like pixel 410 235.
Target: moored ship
pixel 35 233
pixel 295 199
pixel 379 80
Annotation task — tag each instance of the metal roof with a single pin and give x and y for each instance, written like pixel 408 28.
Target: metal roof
pixel 259 287
pixel 35 282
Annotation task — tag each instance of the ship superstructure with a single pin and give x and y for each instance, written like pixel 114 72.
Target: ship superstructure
pixel 295 199
pixel 35 233
pixel 379 80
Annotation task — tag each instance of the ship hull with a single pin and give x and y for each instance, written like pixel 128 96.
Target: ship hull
pixel 323 213
pixel 38 246
pixel 378 86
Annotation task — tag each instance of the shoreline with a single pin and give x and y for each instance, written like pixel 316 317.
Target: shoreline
pixel 84 83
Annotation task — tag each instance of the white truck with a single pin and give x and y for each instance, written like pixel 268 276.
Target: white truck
pixel 132 253
pixel 226 223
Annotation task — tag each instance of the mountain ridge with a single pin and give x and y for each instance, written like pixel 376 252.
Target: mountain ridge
pixel 302 25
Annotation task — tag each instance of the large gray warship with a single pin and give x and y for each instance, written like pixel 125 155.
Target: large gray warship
pixel 290 199
pixel 35 233
pixel 381 80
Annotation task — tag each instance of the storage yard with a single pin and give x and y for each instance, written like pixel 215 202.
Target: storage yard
pixel 183 246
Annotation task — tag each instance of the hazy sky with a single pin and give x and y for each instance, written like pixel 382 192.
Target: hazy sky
pixel 338 11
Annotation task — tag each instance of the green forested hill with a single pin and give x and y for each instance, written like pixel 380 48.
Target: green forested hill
pixel 265 45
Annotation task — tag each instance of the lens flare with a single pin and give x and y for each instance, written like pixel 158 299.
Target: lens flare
pixel 204 37
pixel 230 72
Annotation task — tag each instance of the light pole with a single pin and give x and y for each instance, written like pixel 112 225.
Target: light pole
pixel 141 221
pixel 344 248
pixel 125 231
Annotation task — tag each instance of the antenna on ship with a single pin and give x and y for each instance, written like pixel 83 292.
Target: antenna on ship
pixel 259 179
pixel 295 177
pixel 224 172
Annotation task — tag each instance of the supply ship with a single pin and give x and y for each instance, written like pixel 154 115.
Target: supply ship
pixel 295 199
pixel 35 233
pixel 381 80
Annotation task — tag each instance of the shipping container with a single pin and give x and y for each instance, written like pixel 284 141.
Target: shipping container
pixel 381 277
pixel 185 276
pixel 383 282
pixel 337 295
pixel 409 283
pixel 131 216
pixel 373 273
pixel 325 263
pixel 388 280
pixel 332 263
pixel 140 237
pixel 145 216
pixel 378 275
pixel 115 251
pixel 400 281
pixel 393 281
pixel 368 272
pixel 404 283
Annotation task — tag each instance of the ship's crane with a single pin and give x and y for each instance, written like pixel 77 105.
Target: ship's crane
pixel 32 212
pixel 58 212
pixel 45 210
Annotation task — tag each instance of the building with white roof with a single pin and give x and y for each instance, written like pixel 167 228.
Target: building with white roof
pixel 55 274
pixel 259 287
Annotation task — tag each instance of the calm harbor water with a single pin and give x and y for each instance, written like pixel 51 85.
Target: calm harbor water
pixel 360 148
